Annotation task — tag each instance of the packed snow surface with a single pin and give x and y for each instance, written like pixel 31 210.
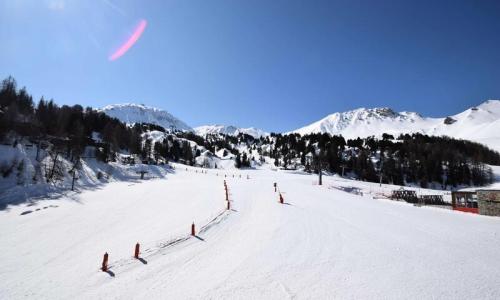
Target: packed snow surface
pixel 480 124
pixel 137 113
pixel 323 243
pixel 229 130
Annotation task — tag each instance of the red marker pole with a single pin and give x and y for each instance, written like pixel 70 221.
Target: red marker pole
pixel 193 231
pixel 136 252
pixel 105 262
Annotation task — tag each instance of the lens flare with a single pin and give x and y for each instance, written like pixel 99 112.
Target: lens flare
pixel 130 41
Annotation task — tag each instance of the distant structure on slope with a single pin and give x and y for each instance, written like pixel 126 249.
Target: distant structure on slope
pixel 482 201
pixel 131 113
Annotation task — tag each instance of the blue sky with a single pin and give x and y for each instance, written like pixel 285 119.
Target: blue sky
pixel 276 65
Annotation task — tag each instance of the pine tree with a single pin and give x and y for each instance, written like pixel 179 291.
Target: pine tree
pixel 237 161
pixel 146 149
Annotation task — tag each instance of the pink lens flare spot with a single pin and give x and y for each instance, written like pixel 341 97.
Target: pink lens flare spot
pixel 130 41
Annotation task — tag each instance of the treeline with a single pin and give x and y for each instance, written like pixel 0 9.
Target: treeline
pixel 406 159
pixel 178 147
pixel 68 128
pixel 415 158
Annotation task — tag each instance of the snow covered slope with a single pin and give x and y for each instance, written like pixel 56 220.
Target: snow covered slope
pixel 229 130
pixel 323 243
pixel 27 179
pixel 137 113
pixel 481 124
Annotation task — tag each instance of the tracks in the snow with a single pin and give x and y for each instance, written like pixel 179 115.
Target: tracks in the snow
pixel 165 245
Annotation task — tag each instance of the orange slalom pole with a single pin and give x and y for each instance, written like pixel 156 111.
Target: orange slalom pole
pixel 136 252
pixel 105 262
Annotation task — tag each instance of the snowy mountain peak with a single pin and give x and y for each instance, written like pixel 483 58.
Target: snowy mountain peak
pixel 337 123
pixel 229 130
pixel 131 113
pixel 479 123
pixel 492 106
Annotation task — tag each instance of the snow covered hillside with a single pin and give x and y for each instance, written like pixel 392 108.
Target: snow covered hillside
pixel 25 173
pixel 479 124
pixel 323 243
pixel 137 113
pixel 229 130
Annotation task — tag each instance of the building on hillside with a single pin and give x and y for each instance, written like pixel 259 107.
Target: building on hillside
pixel 464 201
pixel 483 202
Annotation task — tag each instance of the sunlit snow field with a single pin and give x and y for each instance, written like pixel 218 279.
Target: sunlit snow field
pixel 323 243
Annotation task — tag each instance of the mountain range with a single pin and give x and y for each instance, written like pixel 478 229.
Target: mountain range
pixel 229 130
pixel 480 123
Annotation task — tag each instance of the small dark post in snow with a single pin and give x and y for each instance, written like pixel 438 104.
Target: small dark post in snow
pixel 281 199
pixel 227 195
pixel 142 172
pixel 193 231
pixel 105 262
pixel 228 205
pixel 275 186
pixel 136 252
pixel 319 166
